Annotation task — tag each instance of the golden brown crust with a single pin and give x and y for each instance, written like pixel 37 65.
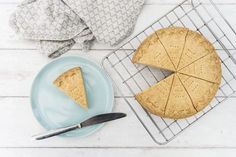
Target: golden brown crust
pixel 72 84
pixel 194 83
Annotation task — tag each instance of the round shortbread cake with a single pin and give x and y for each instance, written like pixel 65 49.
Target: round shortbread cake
pixel 196 71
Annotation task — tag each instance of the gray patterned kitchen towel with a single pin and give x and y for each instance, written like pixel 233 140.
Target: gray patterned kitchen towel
pixel 59 24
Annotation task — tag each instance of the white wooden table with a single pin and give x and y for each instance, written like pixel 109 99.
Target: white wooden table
pixel 214 135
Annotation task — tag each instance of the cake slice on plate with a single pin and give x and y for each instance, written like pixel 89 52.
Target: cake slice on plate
pixel 72 84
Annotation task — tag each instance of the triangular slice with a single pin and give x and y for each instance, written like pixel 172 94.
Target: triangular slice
pixel 201 92
pixel 151 52
pixel 173 39
pixel 72 84
pixel 196 46
pixel 207 68
pixel 179 104
pixel 155 98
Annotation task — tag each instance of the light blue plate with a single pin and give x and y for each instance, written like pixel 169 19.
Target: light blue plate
pixel 53 109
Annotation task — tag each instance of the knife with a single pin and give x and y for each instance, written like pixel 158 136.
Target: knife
pixel 101 118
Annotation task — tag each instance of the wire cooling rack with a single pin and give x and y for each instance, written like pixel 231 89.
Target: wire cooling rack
pixel 130 78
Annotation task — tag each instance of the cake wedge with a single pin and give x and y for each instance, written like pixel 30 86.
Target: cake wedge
pixel 152 53
pixel 72 84
pixel 155 98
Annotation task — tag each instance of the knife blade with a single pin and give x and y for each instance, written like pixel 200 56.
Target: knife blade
pixel 101 118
